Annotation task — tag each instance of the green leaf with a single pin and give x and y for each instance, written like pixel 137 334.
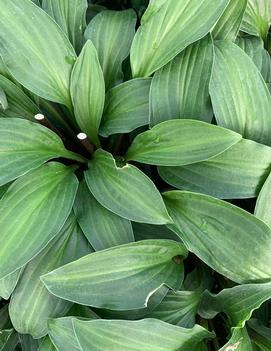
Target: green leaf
pixel 166 144
pixel 39 203
pixel 26 145
pixel 87 91
pixel 112 33
pixel 237 303
pixel 19 104
pixel 46 345
pixel 175 92
pixel 257 18
pixel 221 235
pixel 178 308
pixel 50 61
pixel 135 314
pixel 4 336
pixel 126 190
pixel 240 97
pixel 254 48
pixel 126 107
pixel 143 231
pixel 263 206
pixel 120 278
pixel 260 335
pixel 61 333
pixel 71 17
pixel 143 335
pixel 229 23
pixel 8 284
pixel 31 304
pixel 8 340
pixel 239 341
pixel 28 343
pixel 169 29
pixel 238 172
pixel 102 228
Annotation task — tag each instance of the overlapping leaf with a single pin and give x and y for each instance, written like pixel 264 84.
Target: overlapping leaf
pixel 238 172
pixel 61 333
pixel 239 341
pixel 71 17
pixel 257 17
pixel 112 33
pixel 126 107
pixel 47 345
pixel 18 103
pixel 39 203
pixel 240 97
pixel 229 23
pixel 144 335
pixel 25 145
pixel 87 91
pixel 167 28
pixel 222 235
pixel 125 190
pixel 120 278
pixel 31 304
pixel 8 283
pixel 175 89
pixel 102 228
pixel 263 207
pixel 239 310
pixel 50 61
pixel 254 48
pixel 166 144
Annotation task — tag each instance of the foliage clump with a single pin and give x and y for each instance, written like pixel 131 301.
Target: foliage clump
pixel 135 153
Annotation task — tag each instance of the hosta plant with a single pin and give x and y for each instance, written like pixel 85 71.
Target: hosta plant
pixel 135 152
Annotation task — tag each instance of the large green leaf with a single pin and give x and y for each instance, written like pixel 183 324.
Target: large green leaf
pixel 168 29
pixel 263 206
pixel 239 341
pixel 26 145
pixel 112 33
pixel 19 104
pixel 102 228
pixel 175 90
pixel 239 172
pixel 229 23
pixel 8 283
pixel 254 48
pixel 222 235
pixel 120 278
pixel 126 107
pixel 71 17
pixel 257 18
pixel 167 143
pixel 31 304
pixel 240 97
pixel 237 303
pixel 125 190
pixel 87 91
pixel 39 203
pixel 45 64
pixel 143 335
